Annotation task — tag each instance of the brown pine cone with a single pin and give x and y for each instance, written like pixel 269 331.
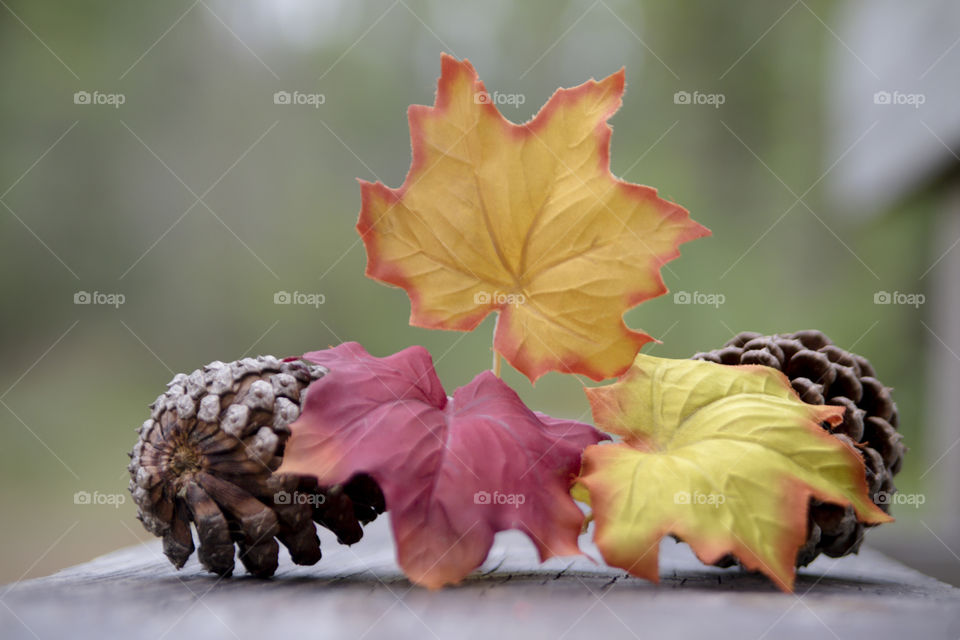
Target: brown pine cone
pixel 823 373
pixel 207 455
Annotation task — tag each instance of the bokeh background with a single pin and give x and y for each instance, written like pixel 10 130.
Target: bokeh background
pixel 199 198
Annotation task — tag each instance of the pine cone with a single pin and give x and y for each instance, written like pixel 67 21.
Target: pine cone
pixel 823 373
pixel 208 455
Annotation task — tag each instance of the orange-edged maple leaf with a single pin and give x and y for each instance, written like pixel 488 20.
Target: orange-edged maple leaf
pixel 454 471
pixel 524 220
pixel 724 457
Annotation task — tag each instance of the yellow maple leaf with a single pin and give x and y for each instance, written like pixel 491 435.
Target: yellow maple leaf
pixel 724 457
pixel 524 220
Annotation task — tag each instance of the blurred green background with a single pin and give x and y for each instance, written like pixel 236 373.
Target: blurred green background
pixel 199 198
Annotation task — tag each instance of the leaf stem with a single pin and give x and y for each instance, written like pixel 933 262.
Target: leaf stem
pixel 493 347
pixel 587 519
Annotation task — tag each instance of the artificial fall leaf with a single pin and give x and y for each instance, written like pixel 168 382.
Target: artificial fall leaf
pixel 524 220
pixel 454 471
pixel 724 457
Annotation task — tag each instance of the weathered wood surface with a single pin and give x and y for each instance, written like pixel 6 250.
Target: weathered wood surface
pixel 358 592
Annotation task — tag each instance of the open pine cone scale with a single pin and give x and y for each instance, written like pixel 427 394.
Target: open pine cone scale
pixel 208 454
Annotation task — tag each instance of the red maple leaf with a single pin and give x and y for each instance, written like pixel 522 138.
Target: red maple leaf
pixel 454 471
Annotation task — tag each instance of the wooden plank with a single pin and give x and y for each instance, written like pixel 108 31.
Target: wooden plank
pixel 359 592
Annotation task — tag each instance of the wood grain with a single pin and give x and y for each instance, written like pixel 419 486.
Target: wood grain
pixel 358 592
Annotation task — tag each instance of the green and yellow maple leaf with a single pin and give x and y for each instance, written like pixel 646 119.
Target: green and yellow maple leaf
pixel 724 457
pixel 525 220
